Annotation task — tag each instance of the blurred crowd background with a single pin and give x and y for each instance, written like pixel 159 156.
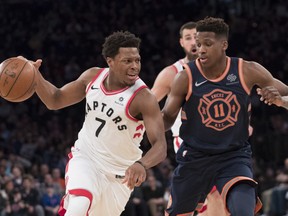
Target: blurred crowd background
pixel 68 36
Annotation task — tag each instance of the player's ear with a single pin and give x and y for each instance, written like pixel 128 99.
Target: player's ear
pixel 109 61
pixel 181 42
pixel 225 45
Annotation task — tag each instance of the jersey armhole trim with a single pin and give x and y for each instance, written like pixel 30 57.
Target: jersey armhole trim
pixel 174 68
pixel 241 76
pixel 129 102
pixel 189 74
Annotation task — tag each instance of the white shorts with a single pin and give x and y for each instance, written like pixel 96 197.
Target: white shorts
pixel 107 194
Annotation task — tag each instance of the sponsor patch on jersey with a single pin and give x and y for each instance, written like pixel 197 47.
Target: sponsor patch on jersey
pixel 120 101
pixel 232 79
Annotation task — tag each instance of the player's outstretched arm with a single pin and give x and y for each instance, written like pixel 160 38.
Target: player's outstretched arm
pixel 272 90
pixel 56 98
pixel 270 95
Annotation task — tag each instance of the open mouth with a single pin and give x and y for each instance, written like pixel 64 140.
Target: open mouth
pixel 203 59
pixel 194 50
pixel 132 76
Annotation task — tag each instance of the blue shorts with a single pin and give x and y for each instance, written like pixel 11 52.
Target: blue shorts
pixel 198 172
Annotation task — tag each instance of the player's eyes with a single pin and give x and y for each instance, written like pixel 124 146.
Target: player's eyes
pixel 126 61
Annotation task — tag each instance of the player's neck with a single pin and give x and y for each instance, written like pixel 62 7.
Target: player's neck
pixel 187 59
pixel 217 70
pixel 111 85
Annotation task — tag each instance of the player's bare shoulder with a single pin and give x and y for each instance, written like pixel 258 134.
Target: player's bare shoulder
pixel 144 100
pixel 250 65
pixel 169 72
pixel 89 74
pixel 182 80
pixel 146 95
pixel 254 73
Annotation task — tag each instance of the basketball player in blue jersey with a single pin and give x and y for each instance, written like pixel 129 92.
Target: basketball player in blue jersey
pixel 213 93
pixel 162 87
pixel 106 162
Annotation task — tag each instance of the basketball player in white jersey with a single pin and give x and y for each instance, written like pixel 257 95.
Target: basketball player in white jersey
pixel 106 162
pixel 161 88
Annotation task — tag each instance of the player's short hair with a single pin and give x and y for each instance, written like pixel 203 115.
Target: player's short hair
pixel 188 25
pixel 212 24
pixel 119 39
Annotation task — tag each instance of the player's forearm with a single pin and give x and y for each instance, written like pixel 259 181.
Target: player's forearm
pixel 155 155
pixel 46 92
pixel 285 102
pixel 168 122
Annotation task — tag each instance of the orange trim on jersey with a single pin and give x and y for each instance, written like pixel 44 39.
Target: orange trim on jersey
pixel 129 102
pixel 232 182
pixel 241 76
pixel 95 77
pixel 258 205
pixel 189 73
pixel 183 115
pixel 222 75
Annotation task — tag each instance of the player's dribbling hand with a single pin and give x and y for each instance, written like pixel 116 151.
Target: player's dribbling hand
pixel 36 63
pixel 135 175
pixel 270 95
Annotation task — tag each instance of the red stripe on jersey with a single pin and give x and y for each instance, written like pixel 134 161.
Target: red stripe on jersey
pixel 113 92
pixel 129 102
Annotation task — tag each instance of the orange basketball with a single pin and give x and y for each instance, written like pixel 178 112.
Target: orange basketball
pixel 17 79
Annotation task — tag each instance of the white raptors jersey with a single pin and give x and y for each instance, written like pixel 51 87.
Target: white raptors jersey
pixel 110 136
pixel 176 126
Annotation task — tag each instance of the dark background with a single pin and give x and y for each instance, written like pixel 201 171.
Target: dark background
pixel 68 36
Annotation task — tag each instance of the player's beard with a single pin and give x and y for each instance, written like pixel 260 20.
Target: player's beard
pixel 191 56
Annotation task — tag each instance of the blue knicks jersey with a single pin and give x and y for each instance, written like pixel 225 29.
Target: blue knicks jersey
pixel 216 113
